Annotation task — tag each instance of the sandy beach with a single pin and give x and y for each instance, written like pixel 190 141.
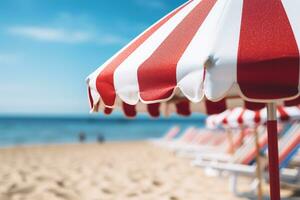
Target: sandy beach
pixel 113 171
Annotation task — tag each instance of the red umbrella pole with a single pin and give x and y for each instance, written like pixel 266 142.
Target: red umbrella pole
pixel 273 152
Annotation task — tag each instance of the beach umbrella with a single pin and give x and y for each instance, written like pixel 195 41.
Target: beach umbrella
pixel 242 118
pixel 211 48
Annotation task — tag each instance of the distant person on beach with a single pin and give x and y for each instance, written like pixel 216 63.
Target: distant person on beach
pixel 82 137
pixel 100 138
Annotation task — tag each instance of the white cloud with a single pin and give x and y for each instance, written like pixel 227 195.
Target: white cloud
pixel 62 35
pixel 50 34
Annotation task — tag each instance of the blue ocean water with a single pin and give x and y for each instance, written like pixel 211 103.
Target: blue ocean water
pixel 41 130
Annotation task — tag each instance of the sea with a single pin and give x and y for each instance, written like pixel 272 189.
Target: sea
pixel 31 130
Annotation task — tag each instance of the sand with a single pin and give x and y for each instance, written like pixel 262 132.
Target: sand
pixel 113 171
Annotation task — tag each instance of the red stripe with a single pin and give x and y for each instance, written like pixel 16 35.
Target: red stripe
pixel 295 141
pixel 257 118
pixel 284 116
pixel 294 102
pixel 225 120
pixel 183 108
pixel 215 107
pixel 105 82
pixel 172 133
pixel 90 98
pixel 153 109
pixel 157 75
pixel 268 56
pixel 240 118
pixel 129 110
pixel 108 111
pixel 254 106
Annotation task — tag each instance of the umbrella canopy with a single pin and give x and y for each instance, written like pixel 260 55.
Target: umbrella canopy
pixel 247 52
pixel 240 117
pixel 211 48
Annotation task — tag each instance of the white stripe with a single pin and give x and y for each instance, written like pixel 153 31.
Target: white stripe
pixel 220 117
pixel 221 75
pixel 210 122
pixel 232 118
pixel 189 70
pixel 263 115
pixel 248 118
pixel 292 10
pixel 91 79
pixel 125 76
pixel 293 112
pixel 215 121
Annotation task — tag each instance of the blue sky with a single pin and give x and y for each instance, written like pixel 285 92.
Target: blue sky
pixel 48 48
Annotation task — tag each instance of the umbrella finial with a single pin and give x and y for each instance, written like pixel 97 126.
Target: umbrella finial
pixel 210 61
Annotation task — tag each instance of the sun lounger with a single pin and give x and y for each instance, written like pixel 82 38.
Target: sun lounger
pixel 217 143
pixel 244 154
pixel 186 137
pixel 289 144
pixel 168 136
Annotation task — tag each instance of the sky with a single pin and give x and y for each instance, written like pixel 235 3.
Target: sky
pixel 49 47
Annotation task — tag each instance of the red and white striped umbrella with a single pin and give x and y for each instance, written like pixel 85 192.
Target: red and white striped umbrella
pixel 211 48
pixel 241 118
pixel 243 46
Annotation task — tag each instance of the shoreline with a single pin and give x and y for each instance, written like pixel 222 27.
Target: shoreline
pixel 65 144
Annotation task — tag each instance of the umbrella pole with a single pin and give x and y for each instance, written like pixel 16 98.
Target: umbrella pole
pixel 273 152
pixel 258 167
